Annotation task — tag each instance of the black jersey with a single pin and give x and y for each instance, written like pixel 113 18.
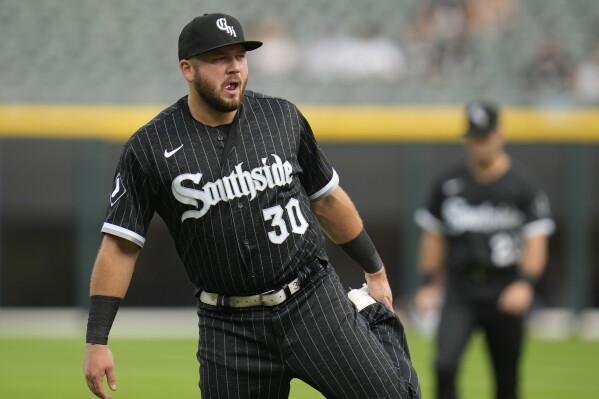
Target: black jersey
pixel 235 198
pixel 486 223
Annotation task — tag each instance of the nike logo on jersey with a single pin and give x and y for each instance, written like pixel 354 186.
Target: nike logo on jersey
pixel 118 190
pixel 168 154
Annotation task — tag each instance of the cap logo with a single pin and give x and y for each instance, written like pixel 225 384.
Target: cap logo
pixel 221 24
pixel 479 116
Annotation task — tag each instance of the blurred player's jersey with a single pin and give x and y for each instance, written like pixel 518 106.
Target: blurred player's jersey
pixel 485 224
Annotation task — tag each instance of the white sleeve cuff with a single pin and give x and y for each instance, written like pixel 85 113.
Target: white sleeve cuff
pixel 428 222
pixel 541 227
pixel 326 190
pixel 119 231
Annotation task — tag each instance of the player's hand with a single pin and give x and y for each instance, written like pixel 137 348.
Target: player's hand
pixel 98 363
pixel 428 298
pixel 379 289
pixel 516 298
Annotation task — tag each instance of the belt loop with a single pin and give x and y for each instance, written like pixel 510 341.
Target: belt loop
pixel 308 270
pixel 319 265
pixel 301 274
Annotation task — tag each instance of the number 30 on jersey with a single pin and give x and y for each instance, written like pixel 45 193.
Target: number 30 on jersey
pixel 280 218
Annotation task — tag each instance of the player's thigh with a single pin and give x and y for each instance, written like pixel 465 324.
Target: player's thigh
pixel 504 333
pixel 331 347
pixel 458 321
pixel 236 358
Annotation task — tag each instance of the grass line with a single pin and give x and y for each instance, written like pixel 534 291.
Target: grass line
pixel 148 369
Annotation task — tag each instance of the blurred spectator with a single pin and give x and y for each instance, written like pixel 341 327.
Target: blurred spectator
pixel 586 78
pixel 280 54
pixel 454 58
pixel 419 44
pixel 438 45
pixel 368 56
pixel 549 74
pixel 448 18
pixel 492 18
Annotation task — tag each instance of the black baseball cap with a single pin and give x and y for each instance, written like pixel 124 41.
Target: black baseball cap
pixel 212 31
pixel 483 118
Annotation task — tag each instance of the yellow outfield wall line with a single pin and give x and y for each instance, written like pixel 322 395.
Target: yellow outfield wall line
pixel 330 123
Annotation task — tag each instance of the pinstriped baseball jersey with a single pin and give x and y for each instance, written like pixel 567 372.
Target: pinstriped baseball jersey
pixel 486 223
pixel 235 198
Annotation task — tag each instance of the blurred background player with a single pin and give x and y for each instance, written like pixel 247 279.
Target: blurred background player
pixel 483 247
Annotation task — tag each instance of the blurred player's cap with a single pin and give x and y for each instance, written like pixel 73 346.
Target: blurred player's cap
pixel 209 32
pixel 482 117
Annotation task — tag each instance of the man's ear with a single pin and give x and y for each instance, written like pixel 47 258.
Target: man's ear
pixel 186 69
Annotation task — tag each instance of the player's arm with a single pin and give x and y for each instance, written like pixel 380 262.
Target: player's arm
pixel 534 257
pixel 339 218
pixel 431 257
pixel 110 280
pixel 517 297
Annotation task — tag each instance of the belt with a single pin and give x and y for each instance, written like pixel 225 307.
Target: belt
pixel 268 298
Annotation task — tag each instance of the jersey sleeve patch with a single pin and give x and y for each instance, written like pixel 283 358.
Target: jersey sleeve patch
pixel 119 231
pixel 118 190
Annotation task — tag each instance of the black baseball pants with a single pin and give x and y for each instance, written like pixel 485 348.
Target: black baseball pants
pixel 460 317
pixel 316 336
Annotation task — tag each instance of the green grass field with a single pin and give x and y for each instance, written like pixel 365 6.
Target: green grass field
pixel 148 369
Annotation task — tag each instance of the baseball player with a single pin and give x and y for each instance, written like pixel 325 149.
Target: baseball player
pixel 484 244
pixel 244 189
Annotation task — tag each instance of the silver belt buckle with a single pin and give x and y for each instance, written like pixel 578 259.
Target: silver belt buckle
pixel 262 295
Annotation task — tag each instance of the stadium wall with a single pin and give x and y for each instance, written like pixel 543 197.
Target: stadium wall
pixel 57 161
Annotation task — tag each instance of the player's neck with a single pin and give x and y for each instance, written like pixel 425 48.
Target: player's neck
pixel 203 113
pixel 488 172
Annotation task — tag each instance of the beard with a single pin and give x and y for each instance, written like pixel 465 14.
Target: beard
pixel 209 92
pixel 484 163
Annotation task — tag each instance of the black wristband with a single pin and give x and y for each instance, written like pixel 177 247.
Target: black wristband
pixel 102 312
pixel 362 250
pixel 527 278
